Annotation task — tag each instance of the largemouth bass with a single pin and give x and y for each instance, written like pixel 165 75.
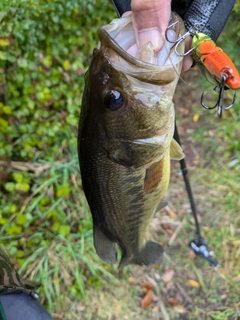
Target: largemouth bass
pixel 126 139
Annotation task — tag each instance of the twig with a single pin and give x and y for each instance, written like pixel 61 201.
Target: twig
pixel 166 256
pixel 162 305
pixel 160 299
pixel 186 296
pixel 27 166
pixel 169 221
pixel 174 236
pixel 199 276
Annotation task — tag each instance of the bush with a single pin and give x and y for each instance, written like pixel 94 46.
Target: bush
pixel 44 51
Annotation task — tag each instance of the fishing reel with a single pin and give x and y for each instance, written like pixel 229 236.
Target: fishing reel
pixel 199 247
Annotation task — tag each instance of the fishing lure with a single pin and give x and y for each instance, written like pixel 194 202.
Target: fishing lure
pixel 215 64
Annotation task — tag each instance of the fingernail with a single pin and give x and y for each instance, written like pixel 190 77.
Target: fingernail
pixel 127 13
pixel 150 35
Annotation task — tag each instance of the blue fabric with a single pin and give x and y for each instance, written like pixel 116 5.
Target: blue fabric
pixel 21 306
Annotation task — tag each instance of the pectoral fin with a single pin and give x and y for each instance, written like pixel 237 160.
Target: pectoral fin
pixel 176 152
pixel 105 247
pixel 162 204
pixel 153 176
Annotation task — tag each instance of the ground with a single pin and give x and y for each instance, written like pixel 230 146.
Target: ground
pixel 184 286
pixel 51 236
pixel 46 226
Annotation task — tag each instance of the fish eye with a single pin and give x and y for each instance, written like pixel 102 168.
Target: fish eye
pixel 114 100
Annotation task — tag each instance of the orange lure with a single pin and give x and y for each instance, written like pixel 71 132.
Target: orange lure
pixel 215 60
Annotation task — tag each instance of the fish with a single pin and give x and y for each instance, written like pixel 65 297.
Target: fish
pixel 125 139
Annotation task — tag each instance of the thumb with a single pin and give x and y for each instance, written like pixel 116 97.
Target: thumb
pixel 150 21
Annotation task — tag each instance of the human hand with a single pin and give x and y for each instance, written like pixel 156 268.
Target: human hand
pixel 150 21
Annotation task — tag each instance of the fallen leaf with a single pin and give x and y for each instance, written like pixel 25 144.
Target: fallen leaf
pixel 180 196
pixel 155 309
pixel 196 117
pixel 169 232
pixel 224 272
pixel 180 309
pixel 193 283
pixel 155 298
pixel 147 285
pixel 186 206
pixel 173 301
pixel 211 133
pixel 167 276
pixel 168 286
pixel 170 212
pixel 192 255
pixel 131 280
pixel 147 299
pixel 80 307
pixel 182 211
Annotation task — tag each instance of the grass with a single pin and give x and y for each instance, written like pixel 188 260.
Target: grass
pixel 55 244
pixel 50 237
pixel 54 239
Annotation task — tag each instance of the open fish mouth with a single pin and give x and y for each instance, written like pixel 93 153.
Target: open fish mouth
pixel 119 37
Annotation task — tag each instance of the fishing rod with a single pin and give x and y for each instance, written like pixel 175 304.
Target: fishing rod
pixel 198 245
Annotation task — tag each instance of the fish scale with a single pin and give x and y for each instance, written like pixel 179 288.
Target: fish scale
pixel 125 143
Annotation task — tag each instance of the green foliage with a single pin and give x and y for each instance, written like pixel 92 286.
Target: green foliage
pixel 45 49
pixel 237 7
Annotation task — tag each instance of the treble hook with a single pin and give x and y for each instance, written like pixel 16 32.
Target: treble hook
pixel 221 88
pixel 192 32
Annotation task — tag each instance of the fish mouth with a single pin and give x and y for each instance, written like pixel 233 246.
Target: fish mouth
pixel 118 37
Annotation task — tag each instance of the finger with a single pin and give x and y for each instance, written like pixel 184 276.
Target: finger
pixel 150 21
pixel 187 63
